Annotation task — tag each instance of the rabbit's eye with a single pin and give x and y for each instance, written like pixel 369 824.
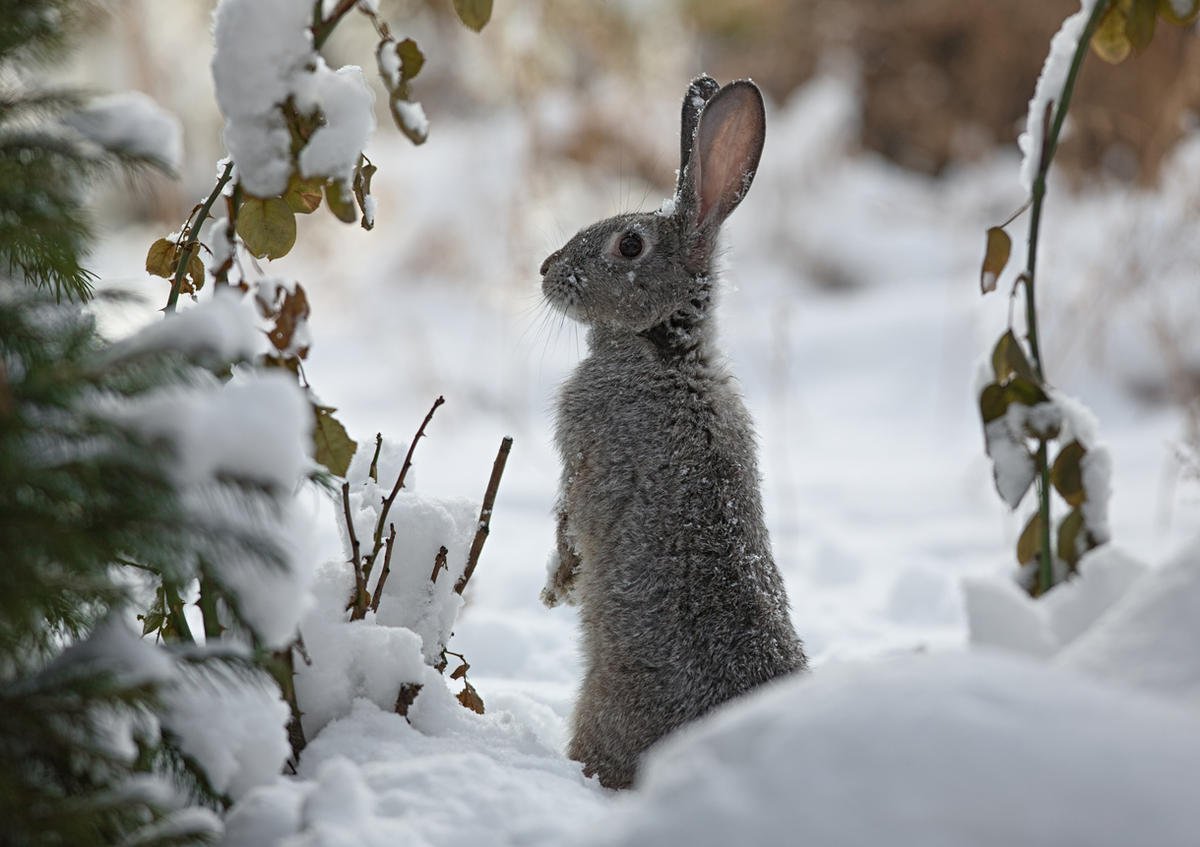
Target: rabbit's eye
pixel 630 245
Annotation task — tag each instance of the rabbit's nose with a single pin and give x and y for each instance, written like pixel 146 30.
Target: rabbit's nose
pixel 546 264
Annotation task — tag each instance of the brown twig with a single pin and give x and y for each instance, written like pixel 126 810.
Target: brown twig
pixel 374 470
pixel 377 541
pixel 387 569
pixel 189 244
pixel 439 563
pixel 360 590
pixel 485 515
pixel 322 29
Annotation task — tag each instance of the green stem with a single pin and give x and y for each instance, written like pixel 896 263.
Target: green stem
pixel 191 242
pixel 1049 147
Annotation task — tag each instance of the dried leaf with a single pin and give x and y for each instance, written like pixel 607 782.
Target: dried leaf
pixel 303 195
pixel 1067 475
pixel 267 227
pixel 470 698
pixel 193 277
pixel 995 257
pixel 1110 41
pixel 333 446
pixel 362 190
pixel 162 258
pixel 291 314
pixel 474 13
pixel 1030 542
pixel 461 670
pixel 406 697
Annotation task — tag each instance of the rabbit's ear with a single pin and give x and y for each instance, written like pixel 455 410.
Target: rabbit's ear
pixel 698 93
pixel 724 158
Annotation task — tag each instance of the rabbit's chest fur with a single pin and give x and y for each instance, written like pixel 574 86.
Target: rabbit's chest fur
pixel 676 580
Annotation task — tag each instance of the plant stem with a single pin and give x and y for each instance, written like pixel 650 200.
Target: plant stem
pixel 191 242
pixel 322 29
pixel 1052 131
pixel 485 515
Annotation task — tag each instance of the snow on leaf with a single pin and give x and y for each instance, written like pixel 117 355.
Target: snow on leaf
pixel 1013 466
pixel 333 446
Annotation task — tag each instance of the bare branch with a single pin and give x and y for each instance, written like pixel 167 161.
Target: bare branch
pixel 387 569
pixel 360 590
pixel 485 514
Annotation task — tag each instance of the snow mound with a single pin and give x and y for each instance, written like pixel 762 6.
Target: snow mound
pixel 927 751
pixel 1148 639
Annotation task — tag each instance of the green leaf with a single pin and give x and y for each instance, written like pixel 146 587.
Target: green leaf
pixel 1008 358
pixel 992 403
pixel 1068 537
pixel 333 446
pixel 1139 23
pixel 340 202
pixel 303 195
pixel 1067 475
pixel 1110 41
pixel 995 257
pixel 1025 392
pixel 411 59
pixel 267 227
pixel 474 13
pixel 1166 11
pixel 1030 542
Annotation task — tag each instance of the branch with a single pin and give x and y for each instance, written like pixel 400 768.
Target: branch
pixel 387 569
pixel 485 515
pixel 360 589
pixel 190 242
pixel 322 29
pixel 377 540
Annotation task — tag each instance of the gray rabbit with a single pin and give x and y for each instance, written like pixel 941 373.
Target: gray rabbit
pixel 661 540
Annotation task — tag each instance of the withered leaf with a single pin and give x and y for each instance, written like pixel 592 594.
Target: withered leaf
pixel 333 447
pixel 995 257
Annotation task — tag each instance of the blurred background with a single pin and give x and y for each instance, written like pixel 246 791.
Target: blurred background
pixel 851 311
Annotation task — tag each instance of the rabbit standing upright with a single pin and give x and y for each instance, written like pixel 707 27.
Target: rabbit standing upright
pixel 661 540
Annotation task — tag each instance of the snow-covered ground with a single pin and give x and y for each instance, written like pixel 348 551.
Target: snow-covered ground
pixel 852 315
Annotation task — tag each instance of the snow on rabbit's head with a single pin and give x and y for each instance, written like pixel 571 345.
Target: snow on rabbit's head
pixel 634 271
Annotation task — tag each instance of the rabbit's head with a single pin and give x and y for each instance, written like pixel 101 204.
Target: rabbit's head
pixel 634 271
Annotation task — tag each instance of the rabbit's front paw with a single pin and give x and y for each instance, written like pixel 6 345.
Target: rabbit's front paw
pixel 561 572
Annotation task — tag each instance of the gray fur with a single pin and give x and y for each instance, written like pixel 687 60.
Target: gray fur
pixel 661 538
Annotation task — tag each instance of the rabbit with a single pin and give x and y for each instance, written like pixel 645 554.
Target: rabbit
pixel 661 541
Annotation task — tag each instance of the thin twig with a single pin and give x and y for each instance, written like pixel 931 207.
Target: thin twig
pixel 485 515
pixel 190 243
pixel 356 557
pixel 387 569
pixel 374 471
pixel 377 540
pixel 322 29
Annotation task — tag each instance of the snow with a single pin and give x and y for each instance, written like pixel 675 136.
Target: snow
pixel 923 751
pixel 221 329
pixel 1013 465
pixel 412 116
pixel 348 105
pixel 1048 90
pixel 260 46
pixel 1147 640
pixel 231 723
pixel 131 122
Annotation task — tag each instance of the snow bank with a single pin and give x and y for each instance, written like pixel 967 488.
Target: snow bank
pixel 452 777
pixel 923 751
pixel 1149 639
pixel 220 330
pixel 1001 614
